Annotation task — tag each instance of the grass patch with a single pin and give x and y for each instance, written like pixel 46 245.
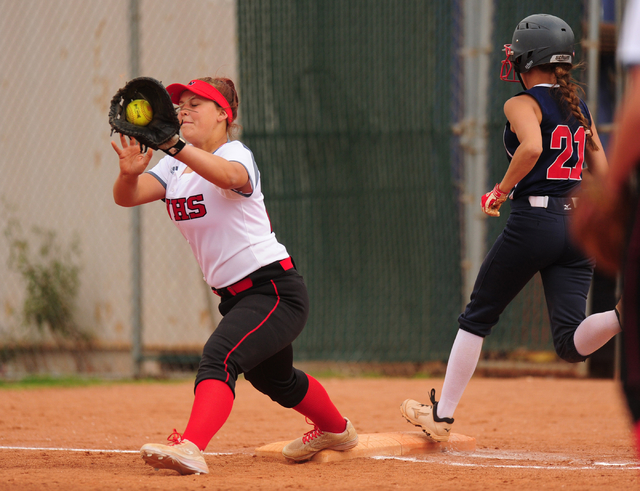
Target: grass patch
pixel 40 381
pixel 49 381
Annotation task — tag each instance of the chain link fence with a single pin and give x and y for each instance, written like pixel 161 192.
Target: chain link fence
pixel 62 62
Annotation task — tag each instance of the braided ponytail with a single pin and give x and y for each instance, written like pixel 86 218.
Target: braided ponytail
pixel 567 91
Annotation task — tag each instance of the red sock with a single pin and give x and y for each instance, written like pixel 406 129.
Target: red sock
pixel 210 410
pixel 317 406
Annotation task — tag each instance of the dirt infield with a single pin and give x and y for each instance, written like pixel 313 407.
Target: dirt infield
pixel 531 433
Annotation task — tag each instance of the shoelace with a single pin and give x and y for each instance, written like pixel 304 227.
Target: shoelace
pixel 175 438
pixel 313 434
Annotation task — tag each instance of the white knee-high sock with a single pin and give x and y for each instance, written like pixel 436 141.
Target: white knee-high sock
pixel 595 331
pixel 463 360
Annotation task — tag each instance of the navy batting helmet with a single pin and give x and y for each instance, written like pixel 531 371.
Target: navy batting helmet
pixel 537 40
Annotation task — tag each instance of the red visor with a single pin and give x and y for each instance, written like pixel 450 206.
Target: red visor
pixel 203 89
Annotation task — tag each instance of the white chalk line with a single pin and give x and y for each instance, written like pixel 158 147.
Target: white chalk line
pixel 442 459
pixel 471 458
pixel 93 450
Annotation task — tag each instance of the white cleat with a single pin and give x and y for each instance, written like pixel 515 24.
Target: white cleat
pixel 180 455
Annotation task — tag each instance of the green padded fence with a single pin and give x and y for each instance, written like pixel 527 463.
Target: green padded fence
pixel 348 107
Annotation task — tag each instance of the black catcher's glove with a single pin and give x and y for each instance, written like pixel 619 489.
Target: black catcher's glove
pixel 164 128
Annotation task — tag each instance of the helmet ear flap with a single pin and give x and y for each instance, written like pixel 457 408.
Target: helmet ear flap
pixel 528 61
pixel 516 62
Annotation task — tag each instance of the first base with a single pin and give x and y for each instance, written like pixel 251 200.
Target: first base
pixel 381 445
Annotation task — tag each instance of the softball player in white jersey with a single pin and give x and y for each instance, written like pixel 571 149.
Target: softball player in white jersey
pixel 212 191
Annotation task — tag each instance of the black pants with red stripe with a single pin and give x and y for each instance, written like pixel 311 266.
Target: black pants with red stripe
pixel 254 337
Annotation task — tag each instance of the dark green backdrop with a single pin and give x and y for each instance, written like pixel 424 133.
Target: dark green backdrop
pixel 348 107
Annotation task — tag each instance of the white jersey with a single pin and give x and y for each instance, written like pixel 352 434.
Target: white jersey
pixel 229 232
pixel 629 42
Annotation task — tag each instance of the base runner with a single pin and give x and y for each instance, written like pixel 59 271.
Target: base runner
pixel 548 138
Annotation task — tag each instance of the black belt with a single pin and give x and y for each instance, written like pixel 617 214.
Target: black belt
pixel 551 203
pixel 259 276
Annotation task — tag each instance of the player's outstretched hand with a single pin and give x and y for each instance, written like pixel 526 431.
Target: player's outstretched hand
pixel 492 201
pixel 132 161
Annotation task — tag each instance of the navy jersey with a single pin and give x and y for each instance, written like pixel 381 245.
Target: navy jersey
pixel 558 170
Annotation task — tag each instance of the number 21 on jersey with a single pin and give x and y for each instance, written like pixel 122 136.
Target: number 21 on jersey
pixel 562 139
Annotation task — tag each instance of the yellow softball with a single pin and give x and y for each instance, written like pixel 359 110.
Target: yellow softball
pixel 139 112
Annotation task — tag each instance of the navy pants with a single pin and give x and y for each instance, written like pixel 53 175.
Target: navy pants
pixel 254 337
pixel 534 240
